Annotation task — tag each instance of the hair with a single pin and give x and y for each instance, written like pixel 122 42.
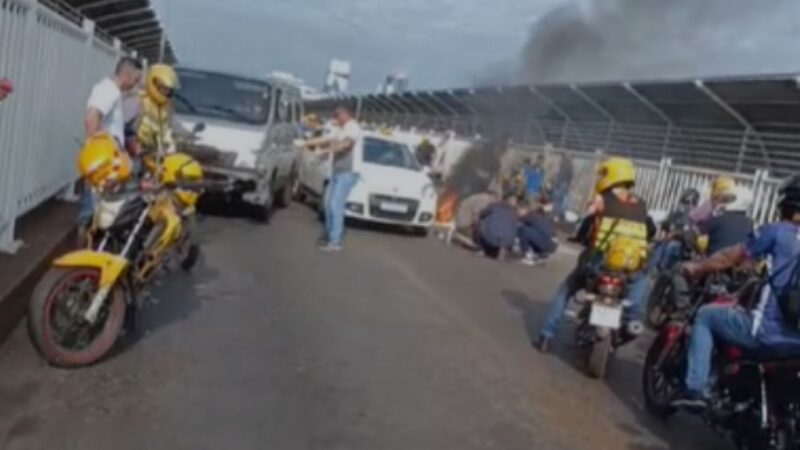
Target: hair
pixel 126 62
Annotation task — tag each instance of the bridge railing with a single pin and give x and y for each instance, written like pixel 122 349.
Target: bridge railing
pixel 53 64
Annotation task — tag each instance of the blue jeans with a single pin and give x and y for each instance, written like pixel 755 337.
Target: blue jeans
pixel 534 240
pixel 664 256
pixel 638 289
pixel 731 324
pixel 86 211
pixel 560 200
pixel 334 203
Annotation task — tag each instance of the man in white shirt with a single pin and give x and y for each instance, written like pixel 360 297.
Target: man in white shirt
pixel 104 114
pixel 340 144
pixel 104 108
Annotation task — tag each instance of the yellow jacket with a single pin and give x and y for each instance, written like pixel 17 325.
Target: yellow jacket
pixel 154 126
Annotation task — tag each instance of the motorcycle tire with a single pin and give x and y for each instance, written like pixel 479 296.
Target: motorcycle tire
pixel 597 362
pixel 40 320
pixel 656 313
pixel 657 403
pixel 191 257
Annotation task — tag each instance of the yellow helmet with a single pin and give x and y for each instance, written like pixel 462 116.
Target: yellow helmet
pixel 181 167
pixel 160 83
pixel 100 161
pixel 723 186
pixel 701 243
pixel 624 255
pixel 614 171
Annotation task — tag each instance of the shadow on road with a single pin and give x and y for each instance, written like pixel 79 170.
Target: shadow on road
pixel 623 380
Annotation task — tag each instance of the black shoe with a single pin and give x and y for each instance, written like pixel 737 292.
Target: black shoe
pixel 691 401
pixel 543 344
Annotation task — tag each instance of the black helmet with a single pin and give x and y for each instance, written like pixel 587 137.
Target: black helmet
pixel 789 196
pixel 690 197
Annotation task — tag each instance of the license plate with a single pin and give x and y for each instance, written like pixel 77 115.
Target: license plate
pixel 605 316
pixel 394 207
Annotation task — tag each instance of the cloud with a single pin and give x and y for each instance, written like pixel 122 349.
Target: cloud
pixel 441 43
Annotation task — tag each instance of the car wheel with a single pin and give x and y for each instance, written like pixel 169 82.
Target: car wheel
pixel 297 190
pixel 283 195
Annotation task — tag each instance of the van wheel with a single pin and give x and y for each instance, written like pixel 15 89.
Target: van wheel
pixel 283 197
pixel 297 190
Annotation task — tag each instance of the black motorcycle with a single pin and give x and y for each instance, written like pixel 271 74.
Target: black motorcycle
pixel 754 398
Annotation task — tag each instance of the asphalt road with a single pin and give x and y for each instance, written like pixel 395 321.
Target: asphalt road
pixel 396 343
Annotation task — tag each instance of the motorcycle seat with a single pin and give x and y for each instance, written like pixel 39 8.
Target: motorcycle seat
pixel 762 355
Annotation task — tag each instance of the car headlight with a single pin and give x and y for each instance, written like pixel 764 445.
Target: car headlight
pixel 428 191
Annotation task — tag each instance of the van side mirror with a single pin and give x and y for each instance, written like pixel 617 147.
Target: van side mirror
pixel 198 127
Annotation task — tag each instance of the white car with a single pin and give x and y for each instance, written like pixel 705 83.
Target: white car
pixel 392 188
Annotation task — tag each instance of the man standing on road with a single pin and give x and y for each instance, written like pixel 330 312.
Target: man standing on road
pixel 342 178
pixel 104 114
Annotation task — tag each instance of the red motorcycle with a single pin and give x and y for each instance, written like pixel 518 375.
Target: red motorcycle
pixel 754 397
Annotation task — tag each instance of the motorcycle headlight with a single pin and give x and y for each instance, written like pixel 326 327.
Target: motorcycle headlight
pixel 107 212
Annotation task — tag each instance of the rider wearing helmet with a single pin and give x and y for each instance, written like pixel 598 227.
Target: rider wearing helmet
pixel 154 127
pixel 722 189
pixel 761 328
pixel 667 252
pixel 616 213
pixel 730 225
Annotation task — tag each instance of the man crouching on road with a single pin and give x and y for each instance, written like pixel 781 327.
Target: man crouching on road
pixel 342 178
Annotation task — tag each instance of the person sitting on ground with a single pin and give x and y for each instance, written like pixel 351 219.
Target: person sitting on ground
pixel 536 232
pixel 467 216
pixel 497 227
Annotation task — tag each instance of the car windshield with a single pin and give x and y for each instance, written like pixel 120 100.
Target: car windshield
pixel 222 96
pixel 388 153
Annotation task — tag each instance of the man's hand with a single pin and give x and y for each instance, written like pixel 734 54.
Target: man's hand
pixel 689 269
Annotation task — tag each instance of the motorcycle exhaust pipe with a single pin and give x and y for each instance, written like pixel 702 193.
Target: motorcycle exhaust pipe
pixel 635 328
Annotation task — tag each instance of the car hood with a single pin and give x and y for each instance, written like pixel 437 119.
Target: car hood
pixel 393 180
pixel 243 140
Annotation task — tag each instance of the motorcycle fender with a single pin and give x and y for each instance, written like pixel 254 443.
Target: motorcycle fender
pixel 110 266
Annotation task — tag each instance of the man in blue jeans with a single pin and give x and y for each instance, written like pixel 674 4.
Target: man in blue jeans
pixel 762 328
pixel 340 145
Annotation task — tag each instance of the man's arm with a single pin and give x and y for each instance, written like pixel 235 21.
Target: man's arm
pixel 319 141
pixel 723 259
pixel 92 121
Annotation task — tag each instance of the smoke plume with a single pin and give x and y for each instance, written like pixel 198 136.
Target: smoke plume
pixel 595 40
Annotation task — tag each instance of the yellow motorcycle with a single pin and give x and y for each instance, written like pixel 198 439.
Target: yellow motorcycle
pixel 79 307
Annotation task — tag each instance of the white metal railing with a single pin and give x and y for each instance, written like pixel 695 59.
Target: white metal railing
pixel 53 64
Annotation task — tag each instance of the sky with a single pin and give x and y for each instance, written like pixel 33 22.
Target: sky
pixel 439 43
pixel 456 43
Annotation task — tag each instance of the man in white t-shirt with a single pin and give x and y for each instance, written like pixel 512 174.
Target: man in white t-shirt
pixel 340 145
pixel 104 114
pixel 104 108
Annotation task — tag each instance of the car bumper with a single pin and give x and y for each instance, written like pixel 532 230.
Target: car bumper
pixel 242 184
pixel 391 209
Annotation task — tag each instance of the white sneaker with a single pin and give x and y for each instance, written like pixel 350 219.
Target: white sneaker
pixel 528 260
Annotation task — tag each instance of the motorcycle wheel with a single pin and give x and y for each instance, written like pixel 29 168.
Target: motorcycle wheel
pixel 190 256
pixel 656 312
pixel 658 392
pixel 598 356
pixel 55 323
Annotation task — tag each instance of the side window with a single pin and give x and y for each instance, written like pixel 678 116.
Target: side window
pixel 282 107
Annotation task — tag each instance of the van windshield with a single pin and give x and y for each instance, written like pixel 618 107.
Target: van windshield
pixel 388 153
pixel 220 96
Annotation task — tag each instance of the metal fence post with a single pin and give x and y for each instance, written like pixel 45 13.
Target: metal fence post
pixel 742 150
pixel 664 167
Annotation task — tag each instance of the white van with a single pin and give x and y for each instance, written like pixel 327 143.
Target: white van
pixel 248 132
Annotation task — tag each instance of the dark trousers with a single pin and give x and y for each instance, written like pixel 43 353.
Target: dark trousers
pixel 532 239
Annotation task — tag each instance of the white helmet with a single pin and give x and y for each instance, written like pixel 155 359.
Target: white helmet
pixel 742 201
